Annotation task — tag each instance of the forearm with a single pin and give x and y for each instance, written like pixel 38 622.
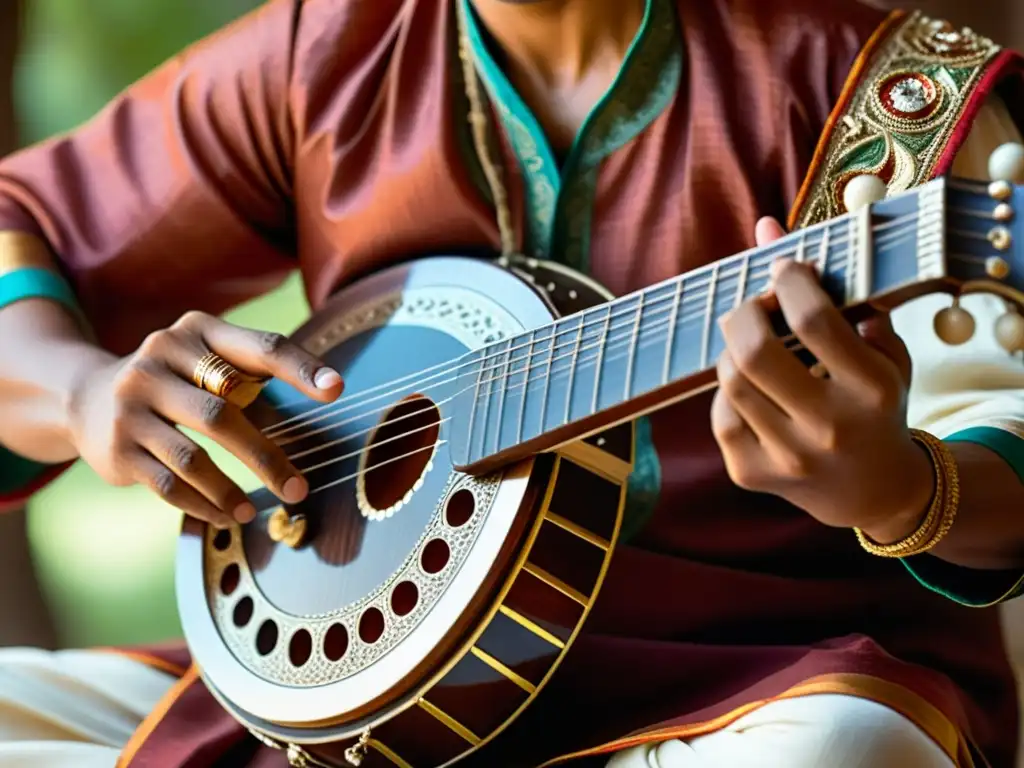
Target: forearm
pixel 989 530
pixel 43 355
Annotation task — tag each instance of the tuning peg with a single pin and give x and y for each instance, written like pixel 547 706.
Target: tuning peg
pixel 1010 331
pixel 863 190
pixel 1007 163
pixel 954 325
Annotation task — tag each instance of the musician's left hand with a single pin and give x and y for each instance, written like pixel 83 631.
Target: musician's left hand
pixel 837 447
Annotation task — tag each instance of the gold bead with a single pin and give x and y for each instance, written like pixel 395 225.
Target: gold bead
pixel 1000 238
pixel 1010 331
pixel 954 325
pixel 997 268
pixel 1003 212
pixel 1000 190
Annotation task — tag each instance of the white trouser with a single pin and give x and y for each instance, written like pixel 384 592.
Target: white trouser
pixel 78 709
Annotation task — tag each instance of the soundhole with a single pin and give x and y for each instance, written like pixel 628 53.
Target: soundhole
pixel 242 614
pixel 460 508
pixel 222 540
pixel 435 556
pixel 229 579
pixel 398 456
pixel 336 642
pixel 371 626
pixel 300 648
pixel 266 638
pixel 404 598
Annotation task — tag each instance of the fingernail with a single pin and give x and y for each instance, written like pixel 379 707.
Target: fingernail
pixel 295 490
pixel 244 513
pixel 326 378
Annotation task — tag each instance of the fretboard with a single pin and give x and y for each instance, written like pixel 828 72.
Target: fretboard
pixel 513 391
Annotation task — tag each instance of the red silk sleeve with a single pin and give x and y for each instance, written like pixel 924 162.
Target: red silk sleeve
pixel 177 195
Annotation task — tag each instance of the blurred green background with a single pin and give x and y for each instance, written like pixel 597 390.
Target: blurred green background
pixel 105 556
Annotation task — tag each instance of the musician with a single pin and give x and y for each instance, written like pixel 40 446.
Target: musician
pixel 752 616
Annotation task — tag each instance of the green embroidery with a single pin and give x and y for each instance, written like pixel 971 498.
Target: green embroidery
pixel 916 142
pixel 560 202
pixel 866 156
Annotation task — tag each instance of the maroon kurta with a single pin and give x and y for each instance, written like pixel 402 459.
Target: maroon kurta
pixel 321 135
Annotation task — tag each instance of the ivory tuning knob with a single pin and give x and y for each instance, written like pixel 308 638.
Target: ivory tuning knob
pixel 863 190
pixel 954 325
pixel 1010 331
pixel 1007 163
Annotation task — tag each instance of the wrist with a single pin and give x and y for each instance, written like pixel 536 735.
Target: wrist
pixel 914 490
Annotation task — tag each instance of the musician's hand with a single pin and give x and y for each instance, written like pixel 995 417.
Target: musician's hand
pixel 837 447
pixel 123 416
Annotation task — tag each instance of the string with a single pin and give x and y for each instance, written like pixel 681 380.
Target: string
pixel 653 308
pixel 695 295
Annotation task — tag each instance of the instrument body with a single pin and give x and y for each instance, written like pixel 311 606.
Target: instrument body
pixel 471 644
pixel 469 486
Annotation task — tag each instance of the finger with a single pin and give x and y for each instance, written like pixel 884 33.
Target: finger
pixel 261 353
pixel 764 360
pixel 217 419
pixel 193 465
pixel 769 424
pixel 148 471
pixel 768 230
pixel 741 452
pixel 879 333
pixel 820 326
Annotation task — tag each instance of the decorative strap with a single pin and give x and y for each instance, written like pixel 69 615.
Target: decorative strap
pixel 912 91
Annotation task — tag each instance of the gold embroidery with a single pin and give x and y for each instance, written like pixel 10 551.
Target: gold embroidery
pixel 904 110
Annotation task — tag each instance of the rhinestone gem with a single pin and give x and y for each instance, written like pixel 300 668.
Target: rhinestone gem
pixel 909 95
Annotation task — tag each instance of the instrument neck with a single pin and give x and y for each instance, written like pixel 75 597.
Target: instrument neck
pixel 615 361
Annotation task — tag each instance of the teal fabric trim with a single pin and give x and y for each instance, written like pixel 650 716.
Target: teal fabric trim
pixel 977 589
pixel 644 486
pixel 1006 445
pixel 538 163
pixel 35 283
pixel 559 202
pixel 17 472
pixel 966 586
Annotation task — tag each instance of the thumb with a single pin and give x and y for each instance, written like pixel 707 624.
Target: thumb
pixel 878 331
pixel 768 230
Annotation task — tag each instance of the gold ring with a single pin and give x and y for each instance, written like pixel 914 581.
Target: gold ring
pixel 221 379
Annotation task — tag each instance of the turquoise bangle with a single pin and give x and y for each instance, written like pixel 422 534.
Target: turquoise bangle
pixel 1007 445
pixel 36 283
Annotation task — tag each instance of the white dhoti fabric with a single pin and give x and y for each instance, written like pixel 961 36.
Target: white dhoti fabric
pixel 820 731
pixel 72 709
pixel 78 709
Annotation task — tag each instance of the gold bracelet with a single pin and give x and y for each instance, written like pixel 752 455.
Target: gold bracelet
pixel 941 512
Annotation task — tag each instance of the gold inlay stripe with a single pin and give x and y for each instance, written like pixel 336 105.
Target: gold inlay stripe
pixel 556 583
pixel 538 630
pixel 450 722
pixel 503 670
pixel 598 461
pixel 578 530
pixel 388 754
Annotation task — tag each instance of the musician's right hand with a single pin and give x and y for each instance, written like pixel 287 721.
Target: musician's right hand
pixel 123 416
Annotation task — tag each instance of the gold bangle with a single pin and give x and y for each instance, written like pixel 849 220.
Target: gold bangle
pixel 941 512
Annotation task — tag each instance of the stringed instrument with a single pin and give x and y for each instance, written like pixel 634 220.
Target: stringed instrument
pixel 467 489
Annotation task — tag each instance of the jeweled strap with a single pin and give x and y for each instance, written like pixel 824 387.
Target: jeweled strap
pixel 912 92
